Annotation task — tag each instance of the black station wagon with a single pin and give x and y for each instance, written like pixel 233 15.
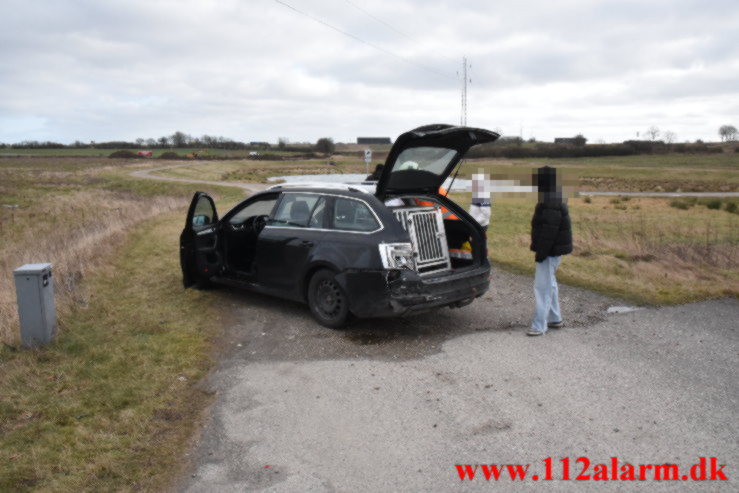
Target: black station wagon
pixel 351 250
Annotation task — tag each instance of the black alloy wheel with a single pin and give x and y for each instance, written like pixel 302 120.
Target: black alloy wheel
pixel 327 300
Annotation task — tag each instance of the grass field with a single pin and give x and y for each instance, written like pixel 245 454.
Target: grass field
pixel 259 171
pixel 111 404
pixel 693 173
pixel 648 173
pixel 640 249
pixel 72 213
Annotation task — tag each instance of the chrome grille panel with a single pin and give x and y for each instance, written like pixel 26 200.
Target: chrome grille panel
pixel 425 225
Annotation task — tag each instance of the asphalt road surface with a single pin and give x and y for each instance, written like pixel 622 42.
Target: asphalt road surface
pixel 395 404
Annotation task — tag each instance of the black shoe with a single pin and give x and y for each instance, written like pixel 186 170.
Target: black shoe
pixel 556 325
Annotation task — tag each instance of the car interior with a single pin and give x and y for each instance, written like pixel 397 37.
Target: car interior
pixel 241 232
pixel 459 235
pixel 353 215
pixel 301 211
pixel 459 238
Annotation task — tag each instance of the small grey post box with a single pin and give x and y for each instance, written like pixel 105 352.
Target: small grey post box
pixel 34 289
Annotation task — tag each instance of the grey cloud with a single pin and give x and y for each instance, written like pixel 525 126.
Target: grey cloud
pixel 104 70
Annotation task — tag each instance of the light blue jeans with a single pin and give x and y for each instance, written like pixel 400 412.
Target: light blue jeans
pixel 546 294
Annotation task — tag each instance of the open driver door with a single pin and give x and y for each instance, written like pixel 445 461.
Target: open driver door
pixel 200 246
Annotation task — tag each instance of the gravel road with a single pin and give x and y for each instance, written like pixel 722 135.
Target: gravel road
pixel 147 174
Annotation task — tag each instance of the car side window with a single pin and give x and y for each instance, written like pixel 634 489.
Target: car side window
pixel 258 208
pixel 295 209
pixel 353 215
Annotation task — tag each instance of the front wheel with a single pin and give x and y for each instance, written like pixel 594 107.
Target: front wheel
pixel 327 300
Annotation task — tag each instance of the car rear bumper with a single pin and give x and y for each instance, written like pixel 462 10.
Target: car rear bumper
pixel 387 293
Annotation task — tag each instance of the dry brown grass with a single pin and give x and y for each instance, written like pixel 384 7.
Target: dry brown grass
pixel 73 231
pixel 645 173
pixel 111 404
pixel 666 244
pixel 690 256
pixel 70 212
pixel 259 171
pixel 80 413
pixel 639 249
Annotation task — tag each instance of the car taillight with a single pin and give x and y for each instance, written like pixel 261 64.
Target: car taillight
pixel 397 255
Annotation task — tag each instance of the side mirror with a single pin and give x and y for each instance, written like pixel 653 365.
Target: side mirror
pixel 201 220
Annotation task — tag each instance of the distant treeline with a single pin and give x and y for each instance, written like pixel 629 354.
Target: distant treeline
pixel 214 143
pixel 285 156
pixel 513 149
pixel 181 140
pixel 176 140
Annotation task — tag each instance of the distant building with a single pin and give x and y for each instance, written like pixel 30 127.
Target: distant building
pixel 254 143
pixel 374 140
pixel 565 140
pixel 577 140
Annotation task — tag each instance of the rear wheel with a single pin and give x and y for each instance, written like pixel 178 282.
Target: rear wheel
pixel 327 300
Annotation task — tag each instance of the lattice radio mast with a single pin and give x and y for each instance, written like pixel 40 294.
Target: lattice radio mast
pixel 463 115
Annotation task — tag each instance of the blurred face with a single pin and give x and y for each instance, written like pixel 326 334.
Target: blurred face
pixel 545 181
pixel 481 185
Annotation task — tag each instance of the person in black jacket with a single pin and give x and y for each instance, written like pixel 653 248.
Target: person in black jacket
pixel 551 237
pixel 375 175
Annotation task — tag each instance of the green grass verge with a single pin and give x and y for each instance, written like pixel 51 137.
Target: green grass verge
pixel 110 405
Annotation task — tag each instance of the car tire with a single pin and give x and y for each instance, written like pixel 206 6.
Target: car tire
pixel 327 300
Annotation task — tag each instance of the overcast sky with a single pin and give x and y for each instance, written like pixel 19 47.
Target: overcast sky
pixel 258 70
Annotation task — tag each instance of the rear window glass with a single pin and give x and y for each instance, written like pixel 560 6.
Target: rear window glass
pixel 353 215
pixel 431 159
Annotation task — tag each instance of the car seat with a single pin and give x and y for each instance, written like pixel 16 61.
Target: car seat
pixel 299 212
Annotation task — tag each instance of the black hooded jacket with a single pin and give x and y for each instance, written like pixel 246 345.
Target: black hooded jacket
pixel 551 228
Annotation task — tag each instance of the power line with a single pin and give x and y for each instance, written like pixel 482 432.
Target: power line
pixel 389 26
pixel 386 24
pixel 368 43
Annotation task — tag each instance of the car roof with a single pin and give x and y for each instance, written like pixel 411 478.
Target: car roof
pixel 346 189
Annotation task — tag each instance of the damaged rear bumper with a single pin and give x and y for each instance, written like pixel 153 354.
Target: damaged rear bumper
pixel 381 293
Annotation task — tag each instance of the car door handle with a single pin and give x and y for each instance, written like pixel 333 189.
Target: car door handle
pixel 306 243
